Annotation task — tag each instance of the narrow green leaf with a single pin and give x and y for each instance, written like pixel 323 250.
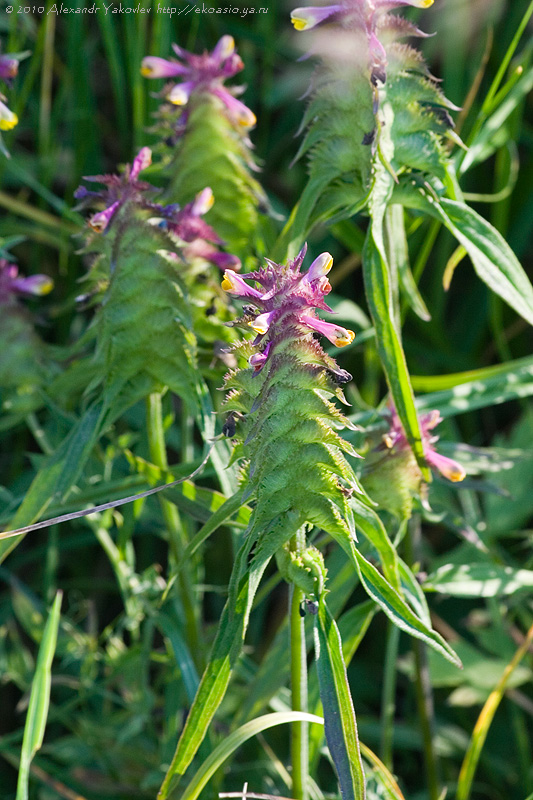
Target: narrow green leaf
pixel 484 721
pixel 392 604
pixel 413 593
pixel 435 383
pixel 57 475
pixel 479 580
pixel 235 740
pixel 511 383
pixel 492 258
pixel 506 60
pixel 399 254
pixel 486 142
pixel 389 346
pixel 226 650
pixel 339 715
pixel 39 698
pixel 169 626
pixel 387 780
pixel 369 523
pixel 353 625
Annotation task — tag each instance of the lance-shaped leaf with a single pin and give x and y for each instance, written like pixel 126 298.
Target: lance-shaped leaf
pixel 394 606
pixel 228 643
pixel 492 258
pixel 377 287
pixel 339 715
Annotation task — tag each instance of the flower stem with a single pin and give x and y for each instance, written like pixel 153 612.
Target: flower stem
pixel 388 695
pixel 177 540
pixel 299 730
pixel 424 695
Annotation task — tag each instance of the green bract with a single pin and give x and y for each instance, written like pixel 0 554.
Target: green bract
pixel 297 471
pixel 143 346
pixel 213 152
pixel 368 84
pixel 22 368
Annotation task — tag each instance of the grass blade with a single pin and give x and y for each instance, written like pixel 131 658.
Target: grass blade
pixel 226 651
pixel 39 698
pixel 235 740
pixel 484 721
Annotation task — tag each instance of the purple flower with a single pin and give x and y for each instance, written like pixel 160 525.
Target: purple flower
pixel 202 73
pixel 305 18
pixel 12 283
pixel 9 67
pixel 396 439
pixel 196 237
pixel 186 227
pixel 286 304
pixel 119 189
pixel 364 17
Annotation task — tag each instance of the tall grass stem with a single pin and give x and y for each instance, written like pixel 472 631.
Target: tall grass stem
pixel 177 542
pixel 299 730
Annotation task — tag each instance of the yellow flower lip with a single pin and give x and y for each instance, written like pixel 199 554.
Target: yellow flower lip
pixel 299 23
pixel 8 122
pixel 203 202
pixel 146 71
pixel 178 99
pixel 247 119
pixel 226 284
pixel 179 94
pixel 344 336
pixel 258 327
pixel 227 47
pixel 97 225
pixel 45 286
pixel 454 474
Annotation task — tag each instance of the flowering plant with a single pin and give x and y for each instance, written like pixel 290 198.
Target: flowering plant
pixel 325 444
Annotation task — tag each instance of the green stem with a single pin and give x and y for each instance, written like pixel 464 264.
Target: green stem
pixel 299 730
pixel 423 690
pixel 177 540
pixel 187 435
pixel 388 702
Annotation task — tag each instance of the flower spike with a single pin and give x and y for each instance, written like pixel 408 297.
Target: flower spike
pixel 372 99
pixel 288 300
pixel 284 415
pixel 202 73
pixel 119 190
